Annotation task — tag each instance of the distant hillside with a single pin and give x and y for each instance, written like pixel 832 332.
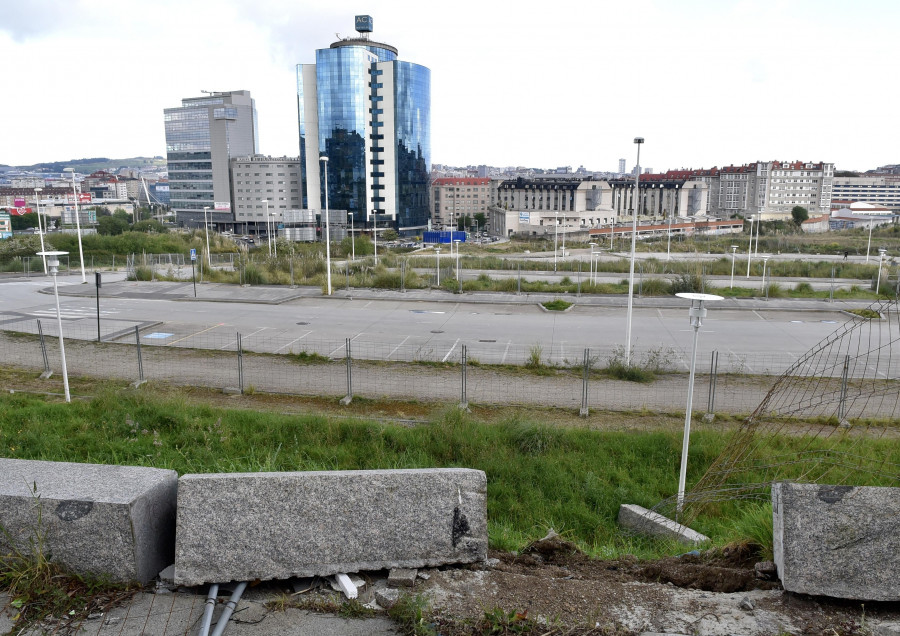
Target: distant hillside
pixel 92 164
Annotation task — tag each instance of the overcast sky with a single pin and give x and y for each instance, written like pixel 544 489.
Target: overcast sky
pixel 539 84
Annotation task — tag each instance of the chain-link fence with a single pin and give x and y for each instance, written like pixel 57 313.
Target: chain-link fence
pixel 452 371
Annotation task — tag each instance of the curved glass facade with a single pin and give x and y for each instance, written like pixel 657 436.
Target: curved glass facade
pixel 412 125
pixel 342 79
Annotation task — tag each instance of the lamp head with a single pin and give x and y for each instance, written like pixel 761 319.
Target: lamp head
pixel 638 140
pixel 323 158
pixel 38 190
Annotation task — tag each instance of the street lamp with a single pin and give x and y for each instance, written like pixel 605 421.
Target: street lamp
pixel 268 232
pixel 352 238
pixel 635 202
pixel 54 269
pixel 274 215
pixel 77 225
pixel 881 252
pixel 324 161
pixel 869 244
pixel 206 224
pixel 669 241
pixel 697 313
pixel 733 257
pixel 437 265
pixel 456 241
pixel 593 245
pixel 765 258
pixel 750 247
pixel 555 237
pixel 37 198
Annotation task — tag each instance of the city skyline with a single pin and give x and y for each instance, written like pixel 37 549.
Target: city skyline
pixel 707 84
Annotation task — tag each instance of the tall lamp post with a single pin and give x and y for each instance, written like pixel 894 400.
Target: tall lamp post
pixel 869 244
pixel 77 225
pixel 750 247
pixel 555 237
pixel 206 225
pixel 437 265
pixel 636 203
pixel 274 216
pixel 697 313
pixel 733 257
pixel 593 245
pixel 265 202
pixel 352 238
pixel 54 269
pixel 456 241
pixel 765 259
pixel 669 241
pixel 881 252
pixel 37 198
pixel 324 161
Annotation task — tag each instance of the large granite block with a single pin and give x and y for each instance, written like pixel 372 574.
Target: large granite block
pixel 241 527
pixel 117 521
pixel 840 541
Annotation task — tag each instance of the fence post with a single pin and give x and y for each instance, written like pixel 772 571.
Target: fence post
pixel 842 406
pixel 519 277
pixel 713 378
pixel 464 358
pixel 584 412
pixel 47 372
pixel 140 359
pixel 240 352
pixel 349 397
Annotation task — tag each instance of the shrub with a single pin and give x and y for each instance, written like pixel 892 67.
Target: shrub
pixel 254 276
pixel 686 283
pixel 141 273
pixel 556 305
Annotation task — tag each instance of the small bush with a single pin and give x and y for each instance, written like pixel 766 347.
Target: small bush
pixel 687 283
pixel 556 305
pixel 535 354
pixel 141 273
pixel 803 288
pixel 254 276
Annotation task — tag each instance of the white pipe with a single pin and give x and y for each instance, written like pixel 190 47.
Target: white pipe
pixel 208 610
pixel 222 623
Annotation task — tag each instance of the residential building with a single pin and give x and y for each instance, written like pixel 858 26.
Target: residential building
pixel 454 198
pixel 202 135
pixel 877 190
pixel 861 215
pixel 370 114
pixel 621 166
pixel 264 185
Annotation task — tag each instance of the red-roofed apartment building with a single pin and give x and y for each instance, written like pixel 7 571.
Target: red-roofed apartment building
pixel 454 198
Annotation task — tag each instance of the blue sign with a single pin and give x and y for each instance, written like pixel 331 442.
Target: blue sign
pixel 364 23
pixel 193 254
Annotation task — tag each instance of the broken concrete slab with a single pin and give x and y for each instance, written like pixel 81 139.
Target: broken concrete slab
pixel 839 541
pixel 246 526
pixel 117 521
pixel 402 577
pixel 643 521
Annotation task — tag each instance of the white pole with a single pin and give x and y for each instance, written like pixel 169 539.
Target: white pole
pixel 206 223
pixel 636 204
pixel 733 257
pixel 275 234
pixel 78 225
pixel 352 238
pixel 758 228
pixel 37 198
pixel 880 259
pixel 555 237
pixel 669 241
pixel 268 232
pixel 375 234
pixel 54 269
pixel 869 244
pixel 457 259
pixel 437 265
pixel 750 247
pixel 324 161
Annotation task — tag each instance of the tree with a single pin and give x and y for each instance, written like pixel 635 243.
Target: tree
pixel 799 214
pixel 111 226
pixel 390 235
pixel 23 222
pixel 481 219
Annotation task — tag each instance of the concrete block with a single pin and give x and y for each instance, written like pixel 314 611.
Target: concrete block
pixel 277 525
pixel 402 577
pixel 643 521
pixel 117 521
pixel 840 541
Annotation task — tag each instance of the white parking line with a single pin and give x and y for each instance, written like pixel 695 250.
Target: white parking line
pixel 331 355
pixel 505 352
pixel 292 342
pixel 234 342
pixel 397 347
pixel 451 350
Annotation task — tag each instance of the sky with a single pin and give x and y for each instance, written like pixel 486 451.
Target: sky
pixel 537 84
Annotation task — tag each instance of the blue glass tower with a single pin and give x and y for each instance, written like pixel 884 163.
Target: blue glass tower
pixel 370 114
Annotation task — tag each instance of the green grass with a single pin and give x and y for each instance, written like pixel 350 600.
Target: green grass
pixel 556 305
pixel 865 313
pixel 539 476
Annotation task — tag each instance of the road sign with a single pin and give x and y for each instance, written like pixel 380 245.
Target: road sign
pixel 193 254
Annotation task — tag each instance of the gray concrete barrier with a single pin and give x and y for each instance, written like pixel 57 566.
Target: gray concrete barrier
pixel 840 541
pixel 240 527
pixel 642 521
pixel 117 521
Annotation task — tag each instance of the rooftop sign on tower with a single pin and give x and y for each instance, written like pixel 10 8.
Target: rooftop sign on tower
pixel 364 23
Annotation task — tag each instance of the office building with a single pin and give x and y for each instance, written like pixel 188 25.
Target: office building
pixel 877 190
pixel 621 166
pixel 202 135
pixel 370 114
